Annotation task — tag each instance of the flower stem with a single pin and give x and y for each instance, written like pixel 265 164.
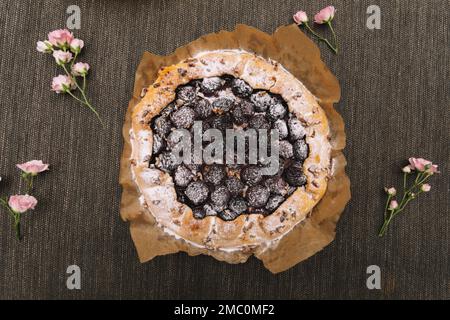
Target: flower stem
pixel 419 175
pixel 321 38
pixel 73 60
pixel 424 179
pixel 84 82
pixel 5 204
pixel 406 198
pixel 314 34
pixel 17 225
pixel 75 97
pixel 387 205
pixel 385 225
pixel 404 181
pixel 92 109
pixel 401 207
pixel 29 181
pixel 14 215
pixel 86 101
pixel 334 37
pixel 417 183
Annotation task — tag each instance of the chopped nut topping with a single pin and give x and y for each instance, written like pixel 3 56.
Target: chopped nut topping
pixel 182 72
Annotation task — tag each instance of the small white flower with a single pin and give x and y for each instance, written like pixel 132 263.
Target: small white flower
pixel 393 205
pixel 44 46
pixel 406 169
pixel 391 191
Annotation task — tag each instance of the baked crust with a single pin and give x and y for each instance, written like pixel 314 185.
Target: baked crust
pixel 247 233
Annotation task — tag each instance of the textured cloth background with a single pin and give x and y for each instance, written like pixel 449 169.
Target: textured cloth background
pixel 395 102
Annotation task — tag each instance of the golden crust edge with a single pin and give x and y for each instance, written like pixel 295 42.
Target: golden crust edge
pixel 146 105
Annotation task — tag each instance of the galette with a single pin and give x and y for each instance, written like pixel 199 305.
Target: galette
pixel 199 185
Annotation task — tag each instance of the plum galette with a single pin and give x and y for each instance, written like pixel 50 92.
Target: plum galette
pixel 213 196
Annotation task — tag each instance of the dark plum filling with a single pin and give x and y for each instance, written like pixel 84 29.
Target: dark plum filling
pixel 229 190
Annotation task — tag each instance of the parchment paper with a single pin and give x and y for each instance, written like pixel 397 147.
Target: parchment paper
pixel 298 54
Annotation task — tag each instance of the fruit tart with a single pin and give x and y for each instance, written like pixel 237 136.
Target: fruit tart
pixel 229 204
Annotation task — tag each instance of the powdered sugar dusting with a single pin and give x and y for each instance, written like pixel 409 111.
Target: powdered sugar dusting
pixel 258 76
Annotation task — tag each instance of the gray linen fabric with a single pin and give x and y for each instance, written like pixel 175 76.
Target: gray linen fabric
pixel 395 102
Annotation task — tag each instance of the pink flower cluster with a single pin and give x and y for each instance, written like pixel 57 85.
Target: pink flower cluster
pixel 21 203
pixel 64 48
pixel 61 39
pixel 423 169
pixel 421 165
pixel 324 16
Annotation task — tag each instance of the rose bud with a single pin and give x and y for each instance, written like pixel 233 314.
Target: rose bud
pixel 391 191
pixel 62 83
pixel 325 15
pixel 300 17
pixel 433 168
pixel 80 69
pixel 406 169
pixel 76 45
pixel 33 167
pixel 44 46
pixel 62 57
pixel 393 205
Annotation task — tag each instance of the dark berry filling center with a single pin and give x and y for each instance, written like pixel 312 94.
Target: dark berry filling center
pixel 229 190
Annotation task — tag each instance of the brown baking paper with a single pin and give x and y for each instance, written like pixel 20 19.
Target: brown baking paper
pixel 298 54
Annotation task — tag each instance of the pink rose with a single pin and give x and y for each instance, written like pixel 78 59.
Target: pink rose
pixel 60 38
pixel 300 17
pixel 62 83
pixel 44 46
pixel 418 163
pixel 425 187
pixel 423 165
pixel 80 69
pixel 432 169
pixel 33 167
pixel 325 15
pixel 393 205
pixel 22 203
pixel 76 45
pixel 62 57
